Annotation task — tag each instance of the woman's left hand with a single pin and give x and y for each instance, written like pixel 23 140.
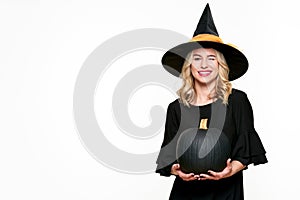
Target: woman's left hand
pixel 218 175
pixel 230 169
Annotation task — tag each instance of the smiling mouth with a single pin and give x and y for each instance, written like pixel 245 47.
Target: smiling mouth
pixel 204 73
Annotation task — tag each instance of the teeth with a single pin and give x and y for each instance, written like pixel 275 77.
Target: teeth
pixel 203 72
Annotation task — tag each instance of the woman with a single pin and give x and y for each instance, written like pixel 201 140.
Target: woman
pixel 206 66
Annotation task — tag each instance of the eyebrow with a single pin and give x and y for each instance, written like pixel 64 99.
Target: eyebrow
pixel 201 56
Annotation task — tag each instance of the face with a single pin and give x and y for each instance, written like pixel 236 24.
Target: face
pixel 204 67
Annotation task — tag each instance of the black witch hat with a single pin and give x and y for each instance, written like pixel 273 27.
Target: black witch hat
pixel 206 36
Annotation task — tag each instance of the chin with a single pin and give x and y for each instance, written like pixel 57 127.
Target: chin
pixel 206 81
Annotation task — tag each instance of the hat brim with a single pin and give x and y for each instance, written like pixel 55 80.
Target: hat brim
pixel 237 62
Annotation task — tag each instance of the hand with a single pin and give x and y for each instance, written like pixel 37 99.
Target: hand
pixel 186 177
pixel 227 171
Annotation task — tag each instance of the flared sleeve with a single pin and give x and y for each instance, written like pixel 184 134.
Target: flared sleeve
pixel 166 157
pixel 248 148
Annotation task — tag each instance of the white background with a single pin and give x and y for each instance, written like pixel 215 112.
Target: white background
pixel 43 45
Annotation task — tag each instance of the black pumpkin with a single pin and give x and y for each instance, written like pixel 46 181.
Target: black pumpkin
pixel 200 150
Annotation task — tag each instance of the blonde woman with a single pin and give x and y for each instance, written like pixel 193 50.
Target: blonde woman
pixel 206 66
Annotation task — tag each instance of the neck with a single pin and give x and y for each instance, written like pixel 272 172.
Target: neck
pixel 203 92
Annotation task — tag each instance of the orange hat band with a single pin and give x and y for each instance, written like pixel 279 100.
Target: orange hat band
pixel 206 37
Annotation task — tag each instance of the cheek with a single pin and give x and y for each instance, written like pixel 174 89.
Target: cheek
pixel 216 68
pixel 197 64
pixel 194 73
pixel 215 65
pixel 215 71
pixel 193 69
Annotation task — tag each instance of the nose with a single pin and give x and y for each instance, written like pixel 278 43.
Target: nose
pixel 203 64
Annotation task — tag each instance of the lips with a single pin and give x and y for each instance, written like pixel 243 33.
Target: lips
pixel 204 73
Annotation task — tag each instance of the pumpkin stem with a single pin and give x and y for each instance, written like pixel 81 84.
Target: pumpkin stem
pixel 203 124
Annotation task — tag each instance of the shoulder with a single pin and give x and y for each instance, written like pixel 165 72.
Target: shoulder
pixel 174 105
pixel 173 111
pixel 174 102
pixel 238 96
pixel 239 102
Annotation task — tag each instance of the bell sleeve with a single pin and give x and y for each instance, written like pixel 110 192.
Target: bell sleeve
pixel 248 148
pixel 167 155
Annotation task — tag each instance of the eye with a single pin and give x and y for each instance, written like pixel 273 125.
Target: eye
pixel 197 58
pixel 211 58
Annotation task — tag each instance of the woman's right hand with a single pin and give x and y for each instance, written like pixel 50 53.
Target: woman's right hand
pixel 186 177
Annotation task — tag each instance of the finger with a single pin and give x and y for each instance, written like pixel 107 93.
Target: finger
pixel 212 173
pixel 206 177
pixel 190 177
pixel 202 179
pixel 196 176
pixel 176 166
pixel 228 162
pixel 185 176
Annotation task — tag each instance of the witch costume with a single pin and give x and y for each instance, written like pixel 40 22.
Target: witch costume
pixel 235 120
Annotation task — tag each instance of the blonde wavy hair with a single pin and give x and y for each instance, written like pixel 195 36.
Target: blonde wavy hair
pixel 222 89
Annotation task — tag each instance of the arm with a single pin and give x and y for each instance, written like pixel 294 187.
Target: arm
pixel 248 148
pixel 167 158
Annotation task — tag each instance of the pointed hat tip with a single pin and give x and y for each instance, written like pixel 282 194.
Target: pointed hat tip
pixel 207 7
pixel 206 23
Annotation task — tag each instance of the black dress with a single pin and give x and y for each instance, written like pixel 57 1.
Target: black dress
pixel 236 122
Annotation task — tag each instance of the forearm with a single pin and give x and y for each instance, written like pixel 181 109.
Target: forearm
pixel 236 167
